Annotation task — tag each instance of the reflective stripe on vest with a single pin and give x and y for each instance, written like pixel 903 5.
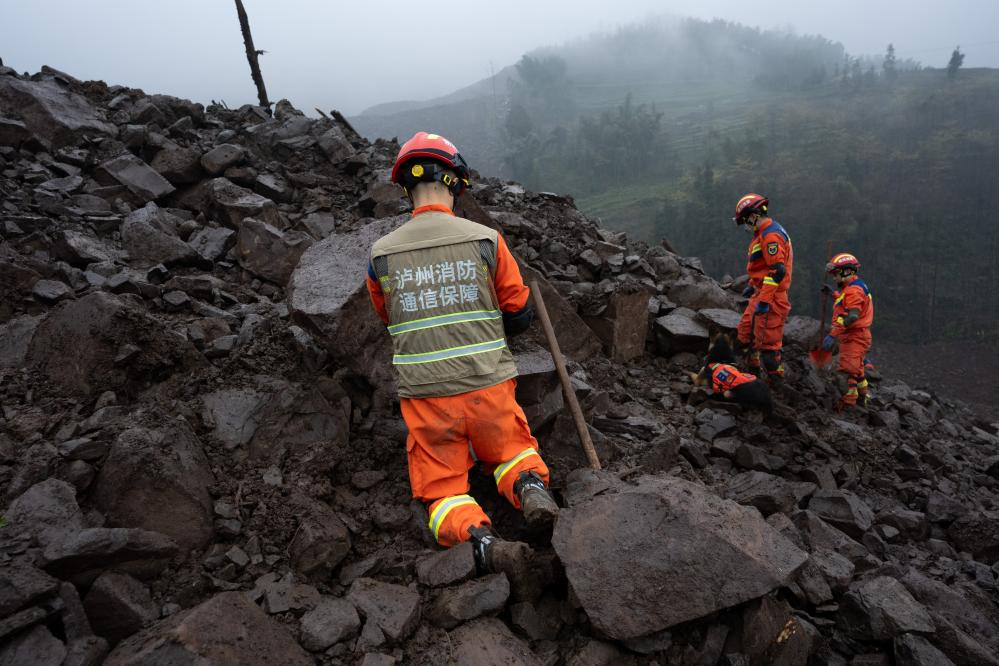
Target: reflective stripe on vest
pixel 438 515
pixel 453 352
pixel 443 320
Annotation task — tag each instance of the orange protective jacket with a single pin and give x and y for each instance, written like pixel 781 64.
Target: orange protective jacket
pixel 726 377
pixel 511 292
pixel 770 246
pixel 856 295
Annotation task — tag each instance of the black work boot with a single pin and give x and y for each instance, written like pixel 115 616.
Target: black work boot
pixel 537 503
pixel 513 558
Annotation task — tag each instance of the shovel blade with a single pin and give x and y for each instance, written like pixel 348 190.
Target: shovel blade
pixel 820 358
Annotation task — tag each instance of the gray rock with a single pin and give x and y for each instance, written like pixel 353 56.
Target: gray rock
pixel 137 177
pixel 689 541
pixel 978 534
pixel 15 338
pixel 273 187
pixel 679 331
pixel 179 165
pixel 768 493
pixel 623 325
pixel 487 642
pixel 842 509
pixel 332 620
pixel 335 145
pixel 475 598
pixel 326 299
pixel 149 235
pixel 914 650
pixel 393 608
pixel 22 585
pixel 538 391
pixel 719 319
pixel 80 250
pixel 158 480
pixel 881 608
pixel 230 204
pixel 46 512
pixel 700 293
pixel 220 158
pixel 36 646
pixel 447 567
pixel 321 541
pixel 226 629
pixel 268 252
pixel 212 242
pixel 13 133
pixel 748 456
pixel 51 291
pixel 820 534
pixel 119 606
pixel 941 508
pixel 52 112
pixel 319 225
pixel 81 556
pixel 802 331
pixel 712 423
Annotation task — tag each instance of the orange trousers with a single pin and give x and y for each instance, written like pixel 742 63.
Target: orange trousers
pixel 853 346
pixel 444 435
pixel 768 330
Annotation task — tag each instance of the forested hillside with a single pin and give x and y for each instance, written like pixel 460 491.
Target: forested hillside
pixel 659 128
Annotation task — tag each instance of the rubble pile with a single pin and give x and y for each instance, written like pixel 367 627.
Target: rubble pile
pixel 202 458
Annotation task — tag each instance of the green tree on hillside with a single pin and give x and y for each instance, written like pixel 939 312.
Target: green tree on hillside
pixel 890 64
pixel 956 60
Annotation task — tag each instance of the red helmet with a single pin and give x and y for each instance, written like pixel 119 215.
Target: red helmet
pixel 750 203
pixel 843 260
pixel 426 158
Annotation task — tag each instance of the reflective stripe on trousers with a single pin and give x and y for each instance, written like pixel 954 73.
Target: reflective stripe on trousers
pixel 444 508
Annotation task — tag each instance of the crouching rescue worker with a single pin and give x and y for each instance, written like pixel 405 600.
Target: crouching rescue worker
pixel 771 258
pixel 451 293
pixel 853 314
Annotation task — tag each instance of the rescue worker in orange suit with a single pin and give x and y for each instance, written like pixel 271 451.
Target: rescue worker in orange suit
pixel 451 294
pixel 853 314
pixel 771 258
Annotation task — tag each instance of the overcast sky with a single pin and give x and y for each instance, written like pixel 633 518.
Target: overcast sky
pixel 351 54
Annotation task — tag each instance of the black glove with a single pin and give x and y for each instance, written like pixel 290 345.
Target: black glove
pixel 515 323
pixel 748 291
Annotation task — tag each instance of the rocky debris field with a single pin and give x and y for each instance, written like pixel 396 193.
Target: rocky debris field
pixel 202 459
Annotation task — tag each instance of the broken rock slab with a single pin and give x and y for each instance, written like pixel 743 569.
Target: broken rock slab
pixel 226 629
pixel 623 326
pixel 326 298
pixel 46 512
pixel 538 391
pixel 52 112
pixel 483 596
pixel 149 235
pixel 81 556
pixel 268 252
pixel 118 606
pixel 720 319
pixel 680 331
pixel 158 479
pixel 15 336
pixel 486 642
pixel 625 552
pixel 220 158
pixel 880 608
pixel 229 204
pixel 36 646
pixel 394 609
pixel 843 510
pixel 332 620
pixel 137 177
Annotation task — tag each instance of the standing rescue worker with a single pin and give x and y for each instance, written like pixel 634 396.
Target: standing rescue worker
pixel 451 293
pixel 771 258
pixel 853 314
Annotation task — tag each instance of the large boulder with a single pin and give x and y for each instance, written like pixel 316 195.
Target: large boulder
pixel 76 345
pixel 51 112
pixel 158 479
pixel 664 538
pixel 880 608
pixel 229 204
pixel 226 629
pixel 150 236
pixel 179 165
pixel 327 297
pixel 269 252
pixel 80 250
pixel 81 556
pixel 699 293
pixel 623 325
pixel 680 331
pixel 136 176
pixel 576 340
pixel 118 606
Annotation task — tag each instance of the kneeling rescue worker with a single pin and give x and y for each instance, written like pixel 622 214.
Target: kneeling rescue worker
pixel 771 259
pixel 853 314
pixel 451 293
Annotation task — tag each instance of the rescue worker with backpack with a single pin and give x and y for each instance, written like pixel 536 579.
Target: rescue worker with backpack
pixel 853 314
pixel 450 294
pixel 769 265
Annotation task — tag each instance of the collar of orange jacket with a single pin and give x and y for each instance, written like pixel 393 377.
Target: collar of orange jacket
pixel 440 208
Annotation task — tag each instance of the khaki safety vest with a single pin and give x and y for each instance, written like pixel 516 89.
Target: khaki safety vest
pixel 436 272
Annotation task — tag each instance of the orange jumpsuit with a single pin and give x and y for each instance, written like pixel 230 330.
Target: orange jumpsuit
pixel 448 434
pixel 855 339
pixel 765 332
